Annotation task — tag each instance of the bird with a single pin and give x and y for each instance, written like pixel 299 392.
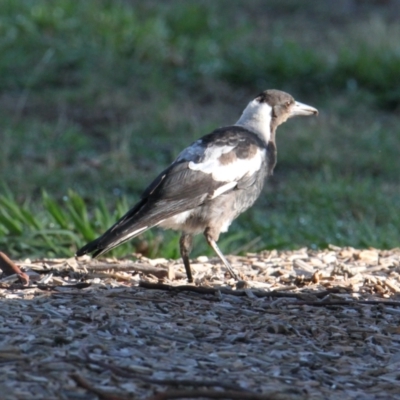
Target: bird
pixel 211 182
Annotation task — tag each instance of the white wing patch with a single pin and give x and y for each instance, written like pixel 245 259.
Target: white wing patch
pixel 231 172
pixel 223 189
pixel 193 152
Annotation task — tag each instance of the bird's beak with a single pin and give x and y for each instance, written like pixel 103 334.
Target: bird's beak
pixel 302 109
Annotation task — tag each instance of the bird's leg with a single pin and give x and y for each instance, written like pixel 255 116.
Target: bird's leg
pixel 213 244
pixel 185 245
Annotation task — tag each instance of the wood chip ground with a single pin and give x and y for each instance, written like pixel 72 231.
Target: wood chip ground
pixel 301 325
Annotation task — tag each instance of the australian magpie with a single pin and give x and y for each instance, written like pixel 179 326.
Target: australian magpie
pixel 211 182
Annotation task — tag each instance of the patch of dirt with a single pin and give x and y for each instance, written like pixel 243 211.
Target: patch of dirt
pixel 302 324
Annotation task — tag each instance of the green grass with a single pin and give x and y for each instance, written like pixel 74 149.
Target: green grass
pixel 56 229
pixel 330 211
pixel 98 96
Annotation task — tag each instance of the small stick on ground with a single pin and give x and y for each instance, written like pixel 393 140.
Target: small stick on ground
pixel 346 303
pixel 213 394
pixel 101 393
pixel 49 288
pixel 143 268
pixel 224 290
pixel 127 373
pixel 10 268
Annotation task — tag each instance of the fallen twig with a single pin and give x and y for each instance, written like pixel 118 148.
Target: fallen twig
pixel 101 393
pixel 147 269
pixel 10 268
pixel 213 394
pixel 224 290
pixel 259 293
pixel 345 303
pixel 79 285
pixel 128 373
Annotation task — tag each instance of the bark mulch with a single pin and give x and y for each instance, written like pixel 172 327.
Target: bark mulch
pixel 300 325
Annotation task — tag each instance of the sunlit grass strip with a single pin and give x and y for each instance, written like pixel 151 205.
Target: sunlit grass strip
pixel 54 230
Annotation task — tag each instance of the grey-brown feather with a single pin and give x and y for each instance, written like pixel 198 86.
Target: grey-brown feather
pixel 178 189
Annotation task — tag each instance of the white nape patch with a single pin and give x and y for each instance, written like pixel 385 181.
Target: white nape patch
pixel 223 189
pixel 231 172
pixel 210 159
pixel 256 117
pixel 193 152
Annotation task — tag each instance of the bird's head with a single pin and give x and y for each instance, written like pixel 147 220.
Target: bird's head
pixel 271 109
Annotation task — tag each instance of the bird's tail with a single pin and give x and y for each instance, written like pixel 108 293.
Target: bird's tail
pixel 132 224
pixel 143 216
pixel 108 241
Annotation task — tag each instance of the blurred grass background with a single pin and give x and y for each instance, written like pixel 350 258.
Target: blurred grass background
pixel 97 96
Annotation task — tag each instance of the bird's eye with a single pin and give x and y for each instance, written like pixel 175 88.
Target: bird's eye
pixel 288 103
